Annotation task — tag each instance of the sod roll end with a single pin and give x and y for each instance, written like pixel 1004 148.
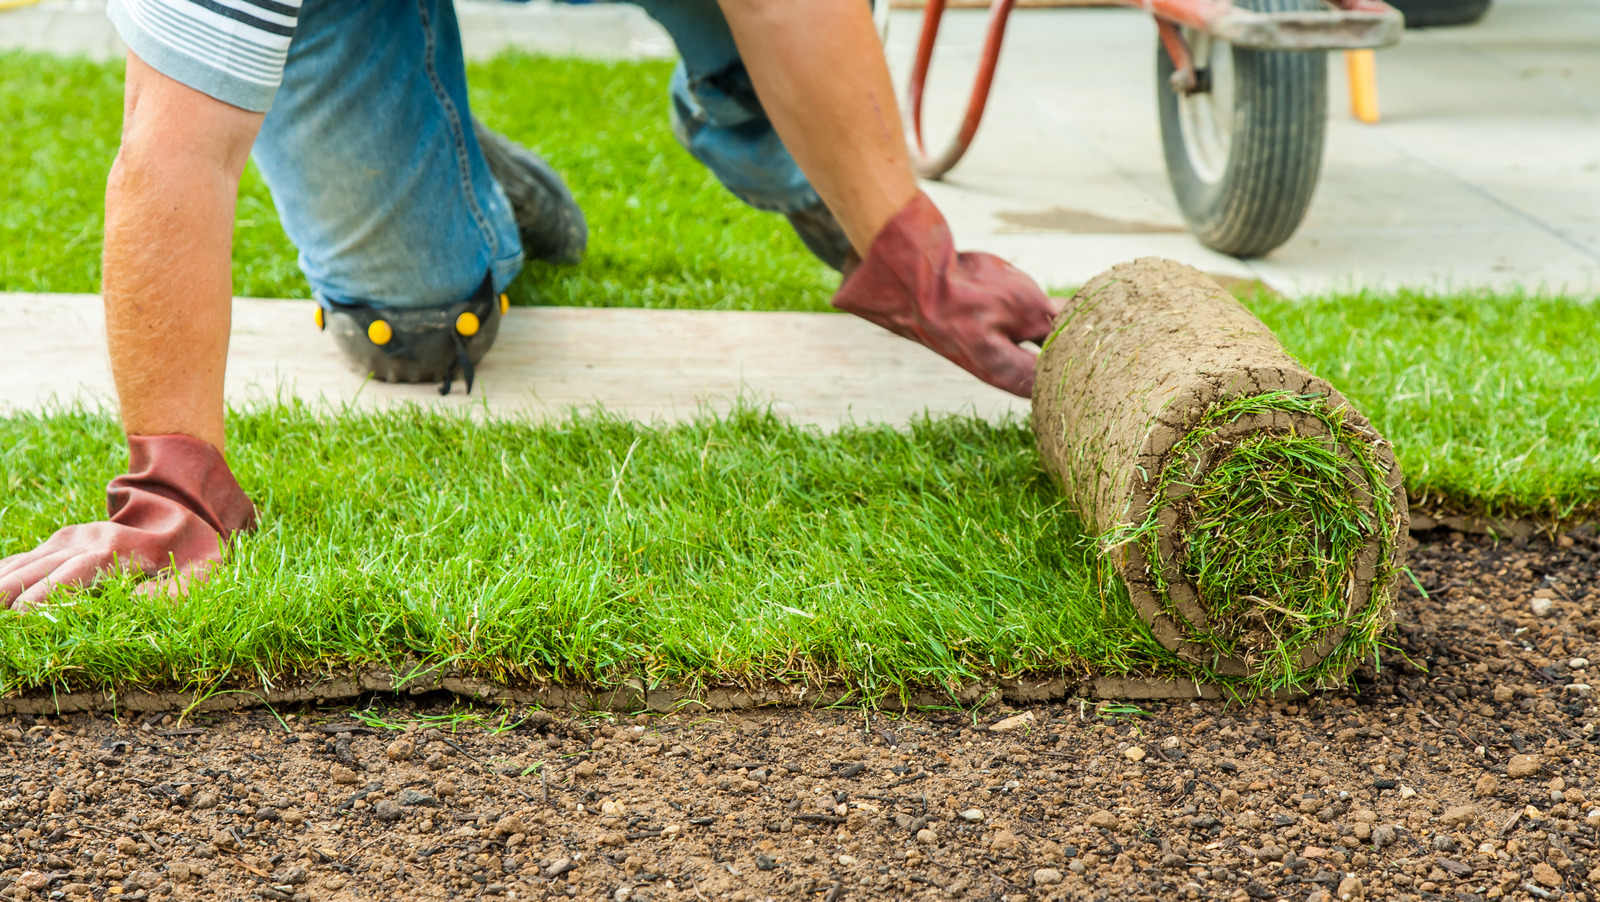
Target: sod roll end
pixel 1255 516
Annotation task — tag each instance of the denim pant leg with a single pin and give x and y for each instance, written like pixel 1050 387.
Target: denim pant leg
pixel 370 156
pixel 715 113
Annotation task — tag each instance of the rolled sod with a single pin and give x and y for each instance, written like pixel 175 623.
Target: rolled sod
pixel 1256 518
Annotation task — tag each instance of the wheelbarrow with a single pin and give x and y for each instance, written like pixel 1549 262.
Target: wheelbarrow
pixel 1243 93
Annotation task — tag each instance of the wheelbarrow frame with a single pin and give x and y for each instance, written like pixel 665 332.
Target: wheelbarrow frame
pixel 1345 25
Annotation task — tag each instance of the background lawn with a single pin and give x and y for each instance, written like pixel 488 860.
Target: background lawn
pixel 740 548
pixel 662 231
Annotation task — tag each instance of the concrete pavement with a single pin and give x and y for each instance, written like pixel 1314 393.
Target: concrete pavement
pixel 1485 170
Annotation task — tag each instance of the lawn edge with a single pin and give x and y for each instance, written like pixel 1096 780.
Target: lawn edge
pixel 633 698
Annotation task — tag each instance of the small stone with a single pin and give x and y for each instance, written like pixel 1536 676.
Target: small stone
pixel 1383 835
pixel 613 808
pixel 1546 874
pixel 1581 690
pixel 1133 753
pixel 204 800
pixel 1351 888
pixel 58 800
pixel 1270 853
pixel 1174 860
pixel 434 761
pixel 268 813
pixel 1320 895
pixel 401 750
pixel 1487 785
pixel 510 825
pixel 1459 816
pixel 1541 606
pixel 387 811
pixel 848 860
pixel 1102 820
pixel 1228 799
pixel 344 776
pixel 611 839
pixel 1046 877
pixel 927 837
pixel 586 769
pixel 1524 766
pixel 1003 841
pixel 560 866
pixel 1504 693
pixel 1578 663
pixel 412 797
pixel 972 815
pixel 445 789
pixel 1014 722
pixel 293 877
pixel 1442 842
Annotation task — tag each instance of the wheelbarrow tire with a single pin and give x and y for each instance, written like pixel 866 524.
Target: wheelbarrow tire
pixel 1251 202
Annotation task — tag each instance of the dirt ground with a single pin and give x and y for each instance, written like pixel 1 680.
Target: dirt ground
pixel 1467 774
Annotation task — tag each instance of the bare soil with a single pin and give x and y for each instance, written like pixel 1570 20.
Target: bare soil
pixel 1469 773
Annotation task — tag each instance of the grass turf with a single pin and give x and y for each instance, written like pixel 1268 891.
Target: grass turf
pixel 1271 533
pixel 740 548
pixel 535 552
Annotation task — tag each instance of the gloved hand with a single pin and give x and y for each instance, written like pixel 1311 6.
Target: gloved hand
pixel 971 308
pixel 173 511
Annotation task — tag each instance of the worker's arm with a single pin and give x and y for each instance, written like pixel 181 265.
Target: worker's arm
pixel 169 253
pixel 168 294
pixel 820 73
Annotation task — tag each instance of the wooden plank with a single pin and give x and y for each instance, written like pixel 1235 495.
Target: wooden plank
pixel 816 368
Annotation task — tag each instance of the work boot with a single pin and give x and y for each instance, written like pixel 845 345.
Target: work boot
pixel 416 344
pixel 822 235
pixel 548 218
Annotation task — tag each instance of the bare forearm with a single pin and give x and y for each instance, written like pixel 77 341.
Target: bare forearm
pixel 168 294
pixel 820 72
pixel 168 249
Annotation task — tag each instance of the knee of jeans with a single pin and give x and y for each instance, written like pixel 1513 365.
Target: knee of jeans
pixel 399 287
pixel 731 136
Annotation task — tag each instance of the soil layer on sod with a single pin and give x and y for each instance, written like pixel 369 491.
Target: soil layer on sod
pixel 1256 518
pixel 1469 772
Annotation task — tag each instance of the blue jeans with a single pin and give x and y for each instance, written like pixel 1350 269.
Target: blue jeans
pixel 380 183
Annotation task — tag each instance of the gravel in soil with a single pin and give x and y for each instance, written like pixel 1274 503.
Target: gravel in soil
pixel 1463 769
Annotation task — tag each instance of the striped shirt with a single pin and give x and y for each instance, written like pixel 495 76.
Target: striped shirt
pixel 233 50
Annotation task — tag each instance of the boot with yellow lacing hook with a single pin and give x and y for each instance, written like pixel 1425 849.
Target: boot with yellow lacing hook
pixel 416 344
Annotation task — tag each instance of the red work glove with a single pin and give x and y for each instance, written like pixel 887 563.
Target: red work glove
pixel 971 308
pixel 173 511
